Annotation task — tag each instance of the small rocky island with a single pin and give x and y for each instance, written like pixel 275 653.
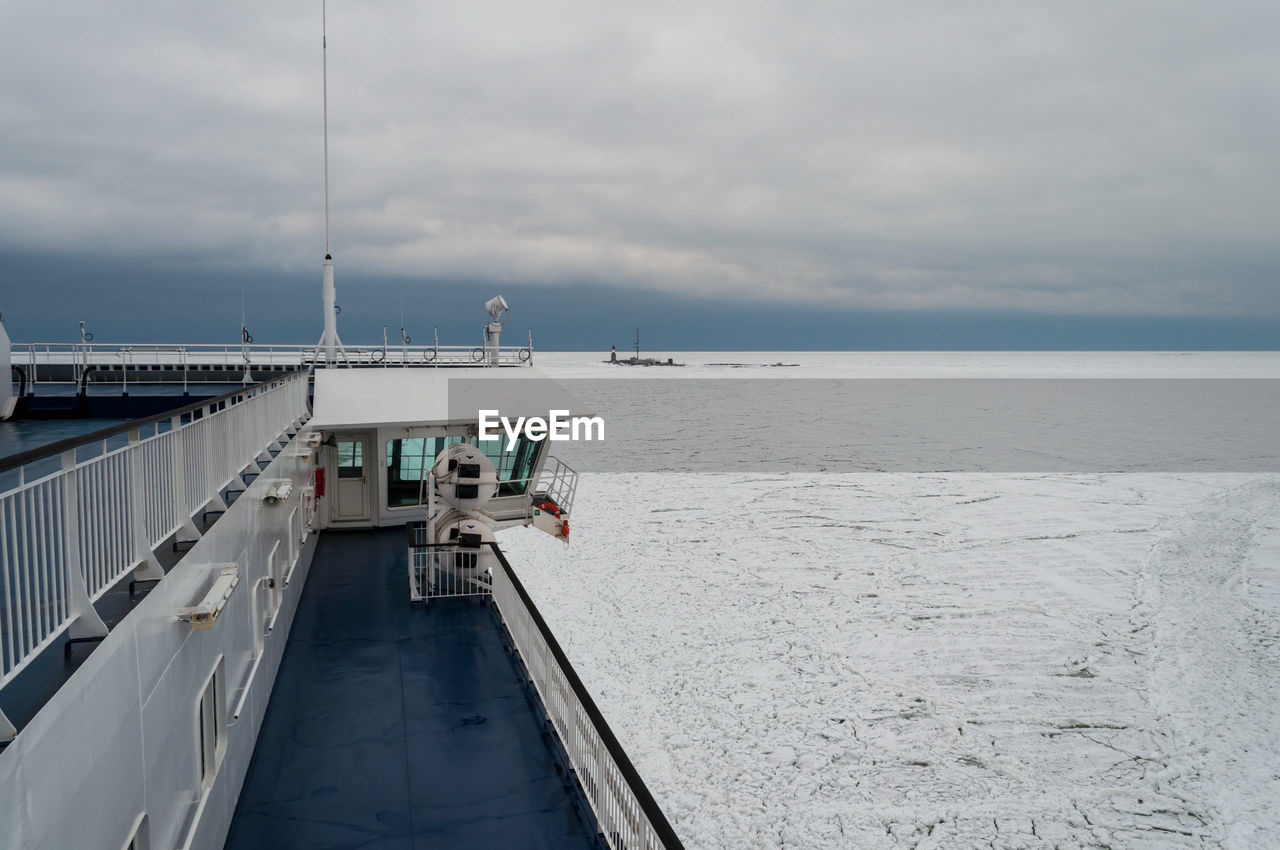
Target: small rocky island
pixel 636 359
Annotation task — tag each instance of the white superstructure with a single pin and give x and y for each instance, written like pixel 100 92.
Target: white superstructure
pixel 7 398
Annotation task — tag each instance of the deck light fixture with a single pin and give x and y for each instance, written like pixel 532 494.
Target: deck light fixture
pixel 205 613
pixel 495 307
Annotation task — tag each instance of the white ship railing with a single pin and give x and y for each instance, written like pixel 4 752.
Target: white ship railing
pixel 192 358
pixel 626 813
pixel 68 536
pixel 557 483
pixel 439 570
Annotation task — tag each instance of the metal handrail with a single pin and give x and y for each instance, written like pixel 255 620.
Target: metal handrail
pixel 67 537
pixel 433 569
pixel 559 482
pixel 625 810
pixel 18 459
pixel 199 353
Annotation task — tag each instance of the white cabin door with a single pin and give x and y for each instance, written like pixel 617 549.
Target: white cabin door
pixel 352 468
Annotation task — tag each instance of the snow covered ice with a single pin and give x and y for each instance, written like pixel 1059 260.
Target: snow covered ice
pixel 933 660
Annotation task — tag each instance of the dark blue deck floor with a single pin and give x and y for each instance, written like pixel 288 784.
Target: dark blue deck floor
pixel 398 727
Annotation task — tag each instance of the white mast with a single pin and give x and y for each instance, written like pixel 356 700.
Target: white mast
pixel 329 340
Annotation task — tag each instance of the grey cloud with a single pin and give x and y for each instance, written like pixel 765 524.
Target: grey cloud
pixel 1064 158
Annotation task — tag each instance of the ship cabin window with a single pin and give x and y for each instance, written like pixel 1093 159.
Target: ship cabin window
pixel 409 460
pixel 211 726
pixel 407 463
pixel 350 458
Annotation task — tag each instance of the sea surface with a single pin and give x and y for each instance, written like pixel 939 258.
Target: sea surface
pixel 928 412
pixel 20 436
pixel 1011 648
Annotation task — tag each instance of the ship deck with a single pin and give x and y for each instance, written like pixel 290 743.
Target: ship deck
pixel 399 727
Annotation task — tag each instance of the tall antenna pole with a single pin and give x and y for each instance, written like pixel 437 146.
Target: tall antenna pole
pixel 329 340
pixel 324 66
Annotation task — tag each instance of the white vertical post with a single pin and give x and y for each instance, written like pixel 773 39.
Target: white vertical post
pixel 215 472
pixel 7 399
pixel 432 553
pixel 329 298
pixel 87 623
pixel 493 331
pixel 148 568
pixel 188 531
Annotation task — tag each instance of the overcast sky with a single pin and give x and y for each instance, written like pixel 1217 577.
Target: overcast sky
pixel 1063 159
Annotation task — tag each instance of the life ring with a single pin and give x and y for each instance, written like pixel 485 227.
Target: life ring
pixel 378 356
pixel 524 355
pixel 429 356
pixel 477 354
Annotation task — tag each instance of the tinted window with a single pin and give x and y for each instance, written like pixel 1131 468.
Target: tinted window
pixel 351 458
